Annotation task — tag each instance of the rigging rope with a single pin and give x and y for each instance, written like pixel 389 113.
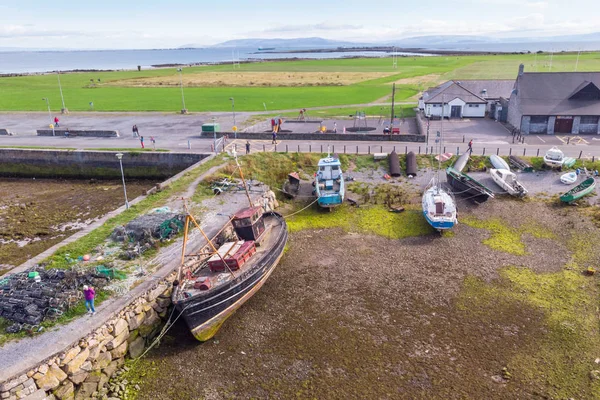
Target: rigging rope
pixel 289 215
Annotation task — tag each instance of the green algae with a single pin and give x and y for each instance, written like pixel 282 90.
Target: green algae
pixel 503 238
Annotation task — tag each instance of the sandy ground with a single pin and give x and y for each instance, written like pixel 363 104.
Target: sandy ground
pixel 38 213
pixel 348 316
pixel 255 79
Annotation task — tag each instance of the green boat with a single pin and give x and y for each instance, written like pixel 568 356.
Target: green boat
pixel 585 187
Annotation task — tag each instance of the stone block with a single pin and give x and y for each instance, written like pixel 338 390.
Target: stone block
pixel 157 291
pixel 8 385
pixel 133 335
pixel 75 364
pixel 79 377
pixel 37 395
pixel 65 392
pixel 42 369
pixel 103 381
pixel 4 395
pixel 111 368
pixel 103 360
pixel 86 390
pixel 120 327
pixel 163 302
pixel 152 320
pixel 94 377
pixel 136 348
pixel 157 308
pixel 116 342
pixel 136 321
pixel 29 382
pixel 48 381
pixel 87 366
pixel 57 372
pixel 17 388
pixel 22 393
pixel 95 352
pixel 119 351
pixel 70 355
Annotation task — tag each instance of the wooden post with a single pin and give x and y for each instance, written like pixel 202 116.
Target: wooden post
pixel 381 149
pixel 483 154
pixel 538 153
pixel 321 149
pixel 524 150
pixel 369 149
pixel 310 148
pixel 580 153
pixel 498 151
pixel 344 149
pixel 510 151
pixel 286 148
pixel 357 149
pixel 405 149
pixel 264 148
pixel 419 149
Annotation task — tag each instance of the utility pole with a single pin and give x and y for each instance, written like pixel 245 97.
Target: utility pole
pixel 392 116
pixel 64 109
pixel 577 61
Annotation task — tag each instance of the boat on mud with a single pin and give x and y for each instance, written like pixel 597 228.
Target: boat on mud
pixel 329 182
pixel 569 178
pixel 462 161
pixel 467 186
pixel 499 163
pixel 584 188
pixel 213 284
pixel 554 158
pixel 291 187
pixel 508 181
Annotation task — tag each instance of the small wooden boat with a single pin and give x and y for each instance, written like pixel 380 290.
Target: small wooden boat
pixel 291 187
pixel 520 164
pixel 329 182
pixel 462 161
pixel 584 188
pixel 554 158
pixel 508 181
pixel 569 178
pixel 498 162
pixel 467 186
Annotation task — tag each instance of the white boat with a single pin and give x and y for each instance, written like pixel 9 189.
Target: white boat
pixel 439 207
pixel 498 162
pixel 554 158
pixel 569 178
pixel 508 181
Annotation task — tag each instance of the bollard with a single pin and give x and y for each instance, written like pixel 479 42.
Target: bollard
pixel 580 153
pixel 523 139
pixel 356 149
pixel 190 145
pixel 568 140
pixel 510 151
pixel 275 149
pixel 405 149
pixel 369 149
pixel 457 151
pixel 483 154
pixel 286 149
pixel 321 149
pixel 593 158
pixel 513 140
pixel 426 150
pixel 344 149
pixel 419 149
pixel 333 148
pixel 310 148
pixel 524 150
pixel 298 149
pixel 498 151
pixel 394 148
pixel 381 149
pixel 463 138
pixel 538 153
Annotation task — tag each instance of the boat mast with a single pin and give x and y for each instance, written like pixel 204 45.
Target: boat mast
pixel 243 180
pixel 439 143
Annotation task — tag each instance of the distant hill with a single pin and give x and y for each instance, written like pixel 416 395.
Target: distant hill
pixel 311 42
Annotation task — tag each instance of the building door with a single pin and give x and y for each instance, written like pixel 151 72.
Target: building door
pixel 563 124
pixel 455 112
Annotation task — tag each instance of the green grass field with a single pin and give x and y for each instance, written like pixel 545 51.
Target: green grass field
pixel 25 93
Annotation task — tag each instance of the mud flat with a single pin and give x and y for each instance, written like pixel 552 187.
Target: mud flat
pixel 35 214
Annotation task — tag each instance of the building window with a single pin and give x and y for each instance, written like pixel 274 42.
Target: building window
pixel 436 105
pixel 473 105
pixel 538 119
pixel 589 119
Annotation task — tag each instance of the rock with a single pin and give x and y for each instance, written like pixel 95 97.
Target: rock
pixel 66 391
pixel 136 348
pixel 136 321
pixel 75 364
pixel 498 379
pixel 31 373
pixel 594 375
pixel 133 335
pixel 111 368
pixel 94 377
pixel 42 369
pixel 57 372
pixel 157 291
pixel 79 377
pixel 85 390
pixel 103 381
pixel 119 351
pixel 87 366
pixel 157 308
pixel 93 343
pixel 152 320
pixel 70 355
pixel 163 303
pixel 116 342
pixel 120 327
pixel 37 376
pixel 6 386
pixel 103 360
pixel 48 382
pixel 37 395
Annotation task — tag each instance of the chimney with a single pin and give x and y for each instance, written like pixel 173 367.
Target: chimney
pixel 521 68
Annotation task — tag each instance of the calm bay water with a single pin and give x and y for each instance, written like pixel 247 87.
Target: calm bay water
pixel 43 61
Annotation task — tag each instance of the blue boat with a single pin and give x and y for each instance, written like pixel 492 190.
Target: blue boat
pixel 329 182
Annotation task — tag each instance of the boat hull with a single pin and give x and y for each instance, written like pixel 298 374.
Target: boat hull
pixel 514 190
pixel 584 188
pixel 204 315
pixel 499 163
pixel 437 224
pixel 330 201
pixel 467 186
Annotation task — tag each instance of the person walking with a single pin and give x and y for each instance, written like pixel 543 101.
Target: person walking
pixel 142 141
pixel 335 127
pixel 89 294
pixel 153 142
pixel 274 141
pixel 470 149
pixel 134 130
pixel 56 121
pixel 247 147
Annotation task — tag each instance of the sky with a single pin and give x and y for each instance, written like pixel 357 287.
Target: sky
pixel 129 24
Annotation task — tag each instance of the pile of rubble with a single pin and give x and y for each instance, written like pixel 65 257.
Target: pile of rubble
pixel 29 297
pixel 142 233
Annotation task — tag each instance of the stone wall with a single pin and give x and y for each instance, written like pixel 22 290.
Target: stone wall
pixel 93 164
pixel 77 132
pixel 376 137
pixel 421 123
pixel 83 370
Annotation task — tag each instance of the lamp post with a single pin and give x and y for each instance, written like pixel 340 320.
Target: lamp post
pixel 233 112
pixel 183 110
pixel 49 114
pixel 120 156
pixel 64 108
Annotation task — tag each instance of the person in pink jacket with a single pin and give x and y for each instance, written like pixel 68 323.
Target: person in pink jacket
pixel 89 293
